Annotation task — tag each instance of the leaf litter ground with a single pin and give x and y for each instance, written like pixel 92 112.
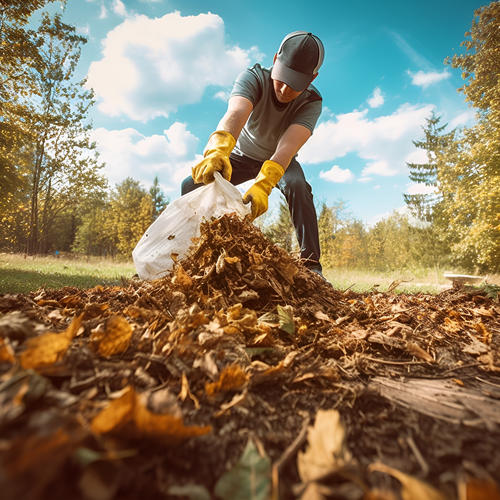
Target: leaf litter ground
pixel 241 374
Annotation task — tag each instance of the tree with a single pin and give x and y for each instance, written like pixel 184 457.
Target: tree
pixel 480 62
pixel 469 173
pixel 329 223
pixel 63 166
pixel 281 231
pixel 431 233
pixel 130 214
pixel 158 198
pixel 19 48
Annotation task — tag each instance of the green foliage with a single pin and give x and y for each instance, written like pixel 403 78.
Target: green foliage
pixel 281 231
pixel 250 478
pixel 158 198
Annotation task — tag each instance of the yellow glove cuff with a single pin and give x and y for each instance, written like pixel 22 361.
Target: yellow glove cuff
pixel 221 141
pixel 269 175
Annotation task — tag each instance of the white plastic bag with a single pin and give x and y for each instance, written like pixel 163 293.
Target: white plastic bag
pixel 172 231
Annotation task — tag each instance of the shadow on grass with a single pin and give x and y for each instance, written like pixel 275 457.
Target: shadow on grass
pixel 19 281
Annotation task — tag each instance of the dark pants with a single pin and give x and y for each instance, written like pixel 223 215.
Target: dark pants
pixel 298 194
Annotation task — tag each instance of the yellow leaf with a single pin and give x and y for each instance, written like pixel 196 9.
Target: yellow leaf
pixel 116 414
pixel 413 489
pixel 231 378
pixel 129 410
pixel 114 338
pixel 43 351
pixel 326 451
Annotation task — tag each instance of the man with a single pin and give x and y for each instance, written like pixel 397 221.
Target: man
pixel 270 115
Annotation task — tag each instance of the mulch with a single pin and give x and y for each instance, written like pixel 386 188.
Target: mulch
pixel 154 389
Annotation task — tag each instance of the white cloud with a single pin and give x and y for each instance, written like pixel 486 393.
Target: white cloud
pixel 418 188
pixel 418 156
pixel 127 153
pixel 377 99
pixel 83 30
pixel 380 167
pixel 377 187
pixel 462 119
pixel 337 174
pixel 119 8
pixel 223 95
pixel 103 14
pixel 150 67
pixel 424 80
pixel 384 142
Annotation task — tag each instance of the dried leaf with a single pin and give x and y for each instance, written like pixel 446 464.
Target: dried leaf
pixel 412 488
pixel 115 338
pixel 322 316
pixel 232 378
pixel 44 351
pixel 129 410
pixel 185 392
pixel 416 350
pixel 182 279
pixel 477 489
pixel 6 352
pixel 326 451
pixel 285 315
pixel 249 479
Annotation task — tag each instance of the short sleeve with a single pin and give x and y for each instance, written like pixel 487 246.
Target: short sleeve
pixel 307 115
pixel 247 85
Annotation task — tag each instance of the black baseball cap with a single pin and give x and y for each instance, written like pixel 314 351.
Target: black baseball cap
pixel 299 58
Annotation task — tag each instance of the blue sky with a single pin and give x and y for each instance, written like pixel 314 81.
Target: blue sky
pixel 162 71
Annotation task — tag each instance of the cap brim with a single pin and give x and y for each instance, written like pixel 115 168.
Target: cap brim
pixel 298 81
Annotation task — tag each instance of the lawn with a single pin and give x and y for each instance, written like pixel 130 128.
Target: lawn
pixel 20 274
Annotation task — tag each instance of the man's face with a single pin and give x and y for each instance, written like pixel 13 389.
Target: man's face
pixel 284 93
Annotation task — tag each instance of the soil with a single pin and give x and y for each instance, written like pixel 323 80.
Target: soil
pixel 139 390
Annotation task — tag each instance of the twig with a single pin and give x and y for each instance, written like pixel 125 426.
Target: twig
pixel 487 382
pixel 461 367
pixel 418 455
pixel 287 454
pixel 388 362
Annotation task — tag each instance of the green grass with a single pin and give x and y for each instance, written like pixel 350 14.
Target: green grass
pixel 424 280
pixel 20 274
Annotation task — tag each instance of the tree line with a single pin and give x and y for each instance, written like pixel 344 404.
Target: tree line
pixel 53 195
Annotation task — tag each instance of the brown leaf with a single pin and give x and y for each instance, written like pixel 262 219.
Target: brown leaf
pixel 182 279
pixel 412 488
pixel 129 410
pixel 416 350
pixel 6 352
pixel 43 351
pixel 477 489
pixel 232 378
pixel 114 338
pixel 185 392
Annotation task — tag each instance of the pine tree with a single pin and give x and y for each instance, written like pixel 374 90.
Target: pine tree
pixel 158 198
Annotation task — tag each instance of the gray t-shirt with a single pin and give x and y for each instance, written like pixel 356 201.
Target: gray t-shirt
pixel 270 118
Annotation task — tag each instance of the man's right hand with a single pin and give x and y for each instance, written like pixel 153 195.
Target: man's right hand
pixel 216 158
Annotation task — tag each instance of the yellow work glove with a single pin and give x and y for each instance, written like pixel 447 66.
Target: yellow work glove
pixel 216 158
pixel 269 175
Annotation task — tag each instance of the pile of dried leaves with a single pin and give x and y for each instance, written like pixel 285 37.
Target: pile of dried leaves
pixel 243 375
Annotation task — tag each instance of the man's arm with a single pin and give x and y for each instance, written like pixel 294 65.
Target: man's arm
pixel 294 137
pixel 238 111
pixel 222 141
